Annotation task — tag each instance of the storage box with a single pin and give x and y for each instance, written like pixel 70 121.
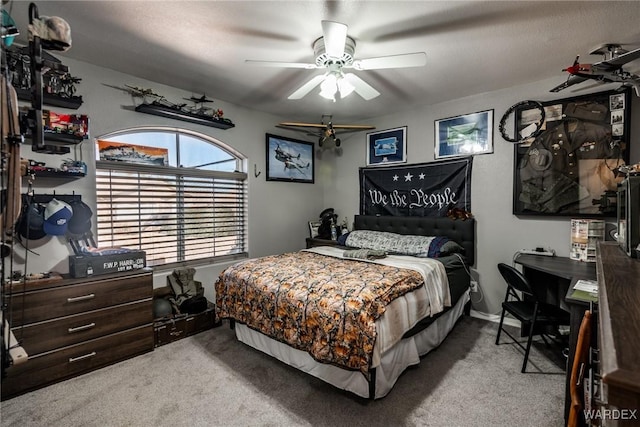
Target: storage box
pixel 183 325
pixel 92 265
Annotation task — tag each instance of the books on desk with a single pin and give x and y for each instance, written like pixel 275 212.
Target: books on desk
pixel 590 286
pixel 585 290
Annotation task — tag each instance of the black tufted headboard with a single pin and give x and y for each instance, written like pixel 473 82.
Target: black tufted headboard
pixel 463 232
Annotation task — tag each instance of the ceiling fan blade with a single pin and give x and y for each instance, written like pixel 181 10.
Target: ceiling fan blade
pixel 361 87
pixel 307 87
pixel 335 36
pixel 418 59
pixel 281 64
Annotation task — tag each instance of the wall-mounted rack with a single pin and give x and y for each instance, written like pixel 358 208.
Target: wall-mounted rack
pixel 46 198
pixel 174 113
pixel 72 103
pixel 55 174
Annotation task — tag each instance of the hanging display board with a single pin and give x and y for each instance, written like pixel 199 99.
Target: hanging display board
pixel 424 189
pixel 571 168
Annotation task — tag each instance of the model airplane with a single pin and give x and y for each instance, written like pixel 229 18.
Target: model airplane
pixel 136 92
pixel 198 107
pixel 200 100
pixel 141 92
pixel 325 131
pixel 607 71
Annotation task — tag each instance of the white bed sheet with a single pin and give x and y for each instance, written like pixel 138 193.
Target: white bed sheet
pixel 406 311
pixel 391 364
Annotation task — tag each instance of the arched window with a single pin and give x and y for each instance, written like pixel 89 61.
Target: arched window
pixel 178 195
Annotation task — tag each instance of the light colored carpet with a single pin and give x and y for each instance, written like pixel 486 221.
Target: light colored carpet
pixel 211 379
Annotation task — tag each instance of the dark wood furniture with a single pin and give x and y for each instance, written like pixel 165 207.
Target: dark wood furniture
pixel 619 331
pixel 553 278
pixel 72 326
pixel 313 242
pixel 179 326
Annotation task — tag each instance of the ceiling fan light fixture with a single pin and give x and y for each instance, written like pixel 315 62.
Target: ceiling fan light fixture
pixel 344 87
pixel 335 83
pixel 329 87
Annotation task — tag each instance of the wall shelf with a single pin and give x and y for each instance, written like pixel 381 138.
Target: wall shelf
pixel 72 103
pixel 173 113
pixel 55 174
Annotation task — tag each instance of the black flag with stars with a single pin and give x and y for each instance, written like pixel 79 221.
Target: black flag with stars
pixel 424 189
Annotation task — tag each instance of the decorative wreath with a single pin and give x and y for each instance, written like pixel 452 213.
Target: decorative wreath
pixel 523 104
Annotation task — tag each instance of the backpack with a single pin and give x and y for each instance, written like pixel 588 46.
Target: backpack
pixel 188 293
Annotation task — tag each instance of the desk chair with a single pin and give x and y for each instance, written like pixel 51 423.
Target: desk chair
pixel 528 309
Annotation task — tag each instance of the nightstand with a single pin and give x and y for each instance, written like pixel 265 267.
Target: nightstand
pixel 314 241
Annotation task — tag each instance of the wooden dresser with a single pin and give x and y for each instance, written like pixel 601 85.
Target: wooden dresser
pixel 72 326
pixel 619 334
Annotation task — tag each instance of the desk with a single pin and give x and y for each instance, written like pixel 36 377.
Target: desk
pixel 619 330
pixel 553 278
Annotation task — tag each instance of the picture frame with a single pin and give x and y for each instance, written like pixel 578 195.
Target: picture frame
pixel 132 153
pixel 289 159
pixel 584 140
pixel 313 228
pixel 464 135
pixel 387 147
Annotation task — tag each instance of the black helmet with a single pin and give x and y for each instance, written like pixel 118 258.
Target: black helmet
pixel 161 308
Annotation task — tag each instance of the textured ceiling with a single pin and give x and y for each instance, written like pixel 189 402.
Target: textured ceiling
pixel 472 47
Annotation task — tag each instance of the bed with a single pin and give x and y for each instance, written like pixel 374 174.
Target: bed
pixel 353 320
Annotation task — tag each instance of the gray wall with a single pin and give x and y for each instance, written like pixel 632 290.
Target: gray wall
pixel 499 233
pixel 278 212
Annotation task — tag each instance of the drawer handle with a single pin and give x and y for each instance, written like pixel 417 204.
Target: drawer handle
pixel 82 328
pixel 86 356
pixel 82 298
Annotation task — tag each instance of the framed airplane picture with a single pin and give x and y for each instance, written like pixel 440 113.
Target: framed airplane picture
pixel 387 147
pixel 289 159
pixel 464 135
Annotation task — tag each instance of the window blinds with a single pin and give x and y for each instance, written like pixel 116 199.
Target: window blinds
pixel 174 215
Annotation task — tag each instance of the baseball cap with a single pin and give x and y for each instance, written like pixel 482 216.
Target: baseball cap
pixel 56 217
pixel 80 222
pixel 30 223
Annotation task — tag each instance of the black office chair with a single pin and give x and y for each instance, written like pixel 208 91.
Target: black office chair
pixel 528 309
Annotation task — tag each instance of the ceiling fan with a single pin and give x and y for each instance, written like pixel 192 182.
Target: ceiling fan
pixel 324 131
pixel 334 52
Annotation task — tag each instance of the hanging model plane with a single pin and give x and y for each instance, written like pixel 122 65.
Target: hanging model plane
pixel 324 131
pixel 607 71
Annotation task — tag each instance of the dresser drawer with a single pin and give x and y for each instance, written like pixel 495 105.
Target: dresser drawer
pixel 36 306
pixel 61 332
pixel 67 362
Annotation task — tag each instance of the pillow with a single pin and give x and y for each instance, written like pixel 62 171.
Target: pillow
pixel 342 239
pixel 403 244
pixel 364 254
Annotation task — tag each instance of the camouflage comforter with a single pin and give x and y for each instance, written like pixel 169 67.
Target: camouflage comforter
pixel 316 303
